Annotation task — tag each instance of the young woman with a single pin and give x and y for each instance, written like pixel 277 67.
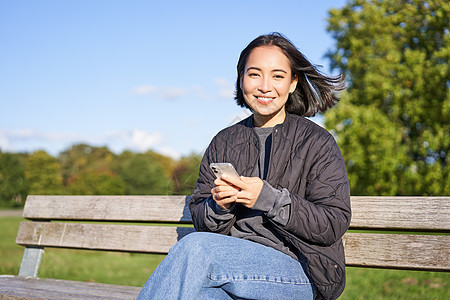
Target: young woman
pixel 275 231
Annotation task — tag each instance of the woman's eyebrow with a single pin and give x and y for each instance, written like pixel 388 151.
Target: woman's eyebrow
pixel 254 68
pixel 279 70
pixel 259 69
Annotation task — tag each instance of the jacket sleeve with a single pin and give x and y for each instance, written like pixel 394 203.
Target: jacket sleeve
pixel 323 215
pixel 276 204
pixel 206 215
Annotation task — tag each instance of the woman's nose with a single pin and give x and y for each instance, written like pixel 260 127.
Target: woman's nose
pixel 265 85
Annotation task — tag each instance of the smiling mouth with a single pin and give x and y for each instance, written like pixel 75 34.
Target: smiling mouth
pixel 264 100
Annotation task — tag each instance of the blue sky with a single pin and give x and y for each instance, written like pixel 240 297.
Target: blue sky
pixel 135 75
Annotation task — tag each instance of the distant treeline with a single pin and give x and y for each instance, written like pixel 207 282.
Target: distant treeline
pixel 88 170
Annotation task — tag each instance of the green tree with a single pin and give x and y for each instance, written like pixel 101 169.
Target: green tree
pixel 43 174
pixel 185 174
pixel 142 174
pixel 392 124
pixel 13 186
pixel 87 170
pixel 84 158
pixel 167 163
pixel 96 183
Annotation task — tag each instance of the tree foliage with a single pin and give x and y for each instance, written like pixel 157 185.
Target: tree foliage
pixel 13 185
pixel 142 174
pixel 84 158
pixel 101 182
pixel 185 174
pixel 167 163
pixel 43 174
pixel 86 170
pixel 392 124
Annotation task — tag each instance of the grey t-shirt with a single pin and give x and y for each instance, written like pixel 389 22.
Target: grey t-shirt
pixel 253 223
pixel 265 140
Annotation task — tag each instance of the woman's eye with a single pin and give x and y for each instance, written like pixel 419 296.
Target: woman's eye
pixel 279 76
pixel 253 75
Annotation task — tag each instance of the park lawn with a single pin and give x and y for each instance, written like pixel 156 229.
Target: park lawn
pixel 84 265
pixel 134 269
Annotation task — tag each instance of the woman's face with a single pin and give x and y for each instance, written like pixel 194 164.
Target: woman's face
pixel 266 84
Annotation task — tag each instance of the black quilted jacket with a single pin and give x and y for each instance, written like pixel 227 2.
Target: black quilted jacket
pixel 307 162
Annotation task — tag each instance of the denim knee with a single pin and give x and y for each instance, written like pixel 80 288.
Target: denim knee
pixel 195 240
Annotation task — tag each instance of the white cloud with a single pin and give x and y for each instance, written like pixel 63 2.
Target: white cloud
pixel 143 141
pixel 226 88
pixel 5 144
pixel 27 134
pixel 173 92
pixel 144 90
pixel 134 140
pixel 169 152
pixel 200 92
pixel 29 140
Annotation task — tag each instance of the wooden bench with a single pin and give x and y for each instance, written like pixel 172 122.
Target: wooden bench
pixel 411 233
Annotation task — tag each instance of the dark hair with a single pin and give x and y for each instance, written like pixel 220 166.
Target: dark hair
pixel 314 91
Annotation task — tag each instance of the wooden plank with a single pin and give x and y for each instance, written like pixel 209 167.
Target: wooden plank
pixel 16 287
pixel 132 238
pixel 109 208
pixel 429 252
pixel 411 213
pixel 405 251
pixel 414 213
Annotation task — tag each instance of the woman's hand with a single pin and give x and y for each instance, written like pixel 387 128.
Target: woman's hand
pixel 247 188
pixel 224 194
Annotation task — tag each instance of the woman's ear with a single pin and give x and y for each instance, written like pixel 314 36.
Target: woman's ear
pixel 293 85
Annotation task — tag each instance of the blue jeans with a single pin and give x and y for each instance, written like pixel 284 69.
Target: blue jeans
pixel 213 266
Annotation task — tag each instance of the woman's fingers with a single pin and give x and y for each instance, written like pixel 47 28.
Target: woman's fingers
pixel 220 182
pixel 231 180
pixel 224 195
pixel 250 192
pixel 244 190
pixel 221 192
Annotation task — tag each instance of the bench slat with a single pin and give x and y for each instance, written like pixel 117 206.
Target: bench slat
pixel 362 249
pixel 405 251
pixel 410 213
pixel 133 238
pixel 16 287
pixel 109 208
pixel 415 213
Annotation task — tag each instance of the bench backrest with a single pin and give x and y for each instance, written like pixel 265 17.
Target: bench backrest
pixel 386 232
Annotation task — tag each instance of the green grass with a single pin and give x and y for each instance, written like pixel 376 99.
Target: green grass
pixel 395 284
pixel 96 266
pixel 134 269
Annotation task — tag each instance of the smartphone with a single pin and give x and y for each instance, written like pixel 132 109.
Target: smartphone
pixel 223 168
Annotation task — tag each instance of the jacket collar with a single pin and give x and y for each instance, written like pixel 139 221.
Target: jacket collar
pixel 248 122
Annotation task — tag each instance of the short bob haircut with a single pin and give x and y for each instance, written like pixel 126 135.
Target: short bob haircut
pixel 314 92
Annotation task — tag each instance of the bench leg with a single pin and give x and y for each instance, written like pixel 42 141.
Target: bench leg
pixel 31 261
